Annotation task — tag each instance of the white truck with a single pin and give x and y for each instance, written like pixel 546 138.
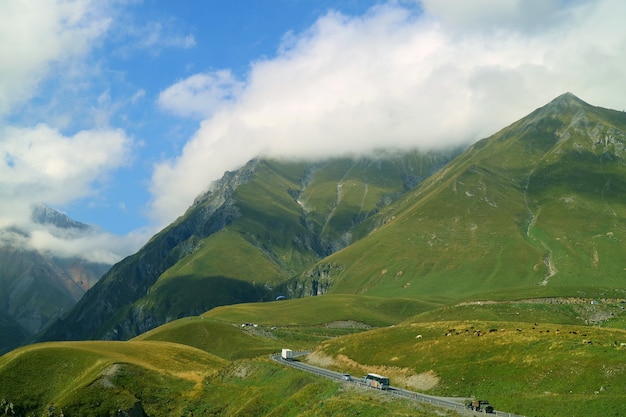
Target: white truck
pixel 287 354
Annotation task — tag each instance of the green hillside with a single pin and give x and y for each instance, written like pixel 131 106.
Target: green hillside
pixel 532 358
pixel 158 378
pixel 244 241
pixel 96 378
pixel 248 330
pixel 533 211
pixel 500 277
pixel 554 366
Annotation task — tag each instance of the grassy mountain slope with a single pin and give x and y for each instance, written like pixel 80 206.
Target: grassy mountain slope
pixel 104 378
pixel 554 366
pixel 242 241
pixel 96 378
pixel 153 375
pixel 534 359
pixel 532 211
pixel 247 330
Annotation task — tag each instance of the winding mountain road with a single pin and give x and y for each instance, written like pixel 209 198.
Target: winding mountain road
pixel 454 404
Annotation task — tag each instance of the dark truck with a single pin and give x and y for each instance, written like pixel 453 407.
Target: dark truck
pixel 479 405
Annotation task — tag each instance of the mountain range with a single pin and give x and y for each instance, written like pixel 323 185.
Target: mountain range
pixel 536 210
pixel 492 272
pixel 246 240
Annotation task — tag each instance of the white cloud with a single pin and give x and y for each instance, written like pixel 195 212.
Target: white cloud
pixel 40 164
pixel 492 16
pixel 458 72
pixel 201 94
pixel 36 35
pixel 152 36
pixel 91 245
pixel 158 35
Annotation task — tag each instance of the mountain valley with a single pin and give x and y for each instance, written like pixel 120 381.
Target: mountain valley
pixel 494 272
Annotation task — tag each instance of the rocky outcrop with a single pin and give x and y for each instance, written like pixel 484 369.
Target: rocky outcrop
pixel 315 281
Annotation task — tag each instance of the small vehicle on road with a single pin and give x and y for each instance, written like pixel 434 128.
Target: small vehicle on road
pixel 346 377
pixel 376 381
pixel 286 354
pixel 480 405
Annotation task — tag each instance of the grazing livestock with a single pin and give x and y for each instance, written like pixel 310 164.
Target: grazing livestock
pixel 419 336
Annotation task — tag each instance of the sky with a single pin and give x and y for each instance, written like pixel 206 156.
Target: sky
pixel 119 113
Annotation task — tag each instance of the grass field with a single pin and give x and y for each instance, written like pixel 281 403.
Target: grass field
pixel 531 358
pixel 164 379
pixel 300 323
pixel 528 359
pixel 101 376
pixel 373 311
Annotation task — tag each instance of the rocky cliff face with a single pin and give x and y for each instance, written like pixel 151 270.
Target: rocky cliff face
pixel 315 281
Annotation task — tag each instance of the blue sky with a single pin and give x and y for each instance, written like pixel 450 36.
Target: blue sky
pixel 119 113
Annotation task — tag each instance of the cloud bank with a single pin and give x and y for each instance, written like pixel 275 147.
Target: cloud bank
pixel 40 163
pixel 445 73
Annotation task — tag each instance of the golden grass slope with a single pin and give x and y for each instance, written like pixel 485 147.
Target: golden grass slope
pixel 70 375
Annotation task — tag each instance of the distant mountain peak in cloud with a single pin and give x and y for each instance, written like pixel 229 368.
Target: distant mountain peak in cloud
pixel 44 215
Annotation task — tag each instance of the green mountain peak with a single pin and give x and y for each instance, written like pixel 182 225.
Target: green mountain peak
pixel 537 209
pixel 567 99
pixel 534 210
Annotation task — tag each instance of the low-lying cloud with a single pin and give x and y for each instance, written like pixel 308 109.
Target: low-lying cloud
pixel 447 74
pixel 92 244
pixel 42 165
